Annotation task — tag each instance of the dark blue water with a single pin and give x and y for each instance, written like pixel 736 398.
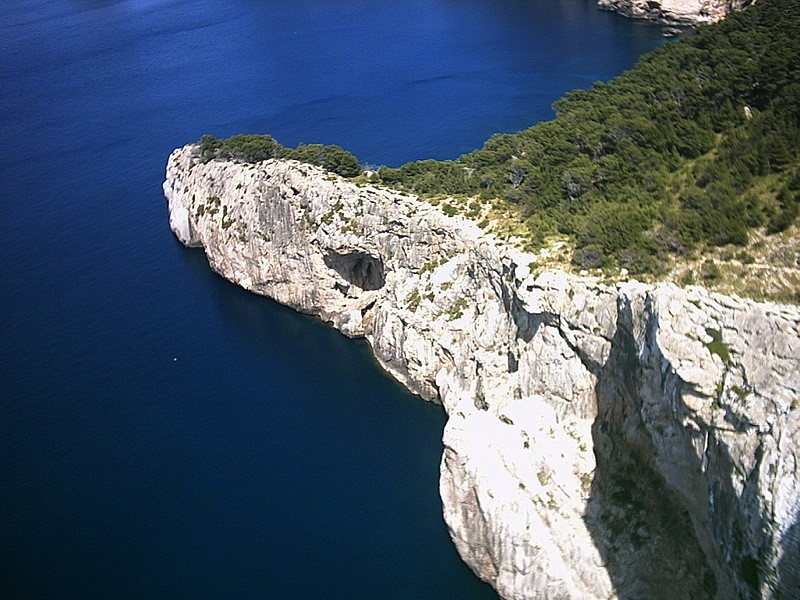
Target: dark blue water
pixel 162 433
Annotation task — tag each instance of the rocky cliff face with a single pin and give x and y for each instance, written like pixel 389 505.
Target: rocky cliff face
pixel 603 440
pixel 680 12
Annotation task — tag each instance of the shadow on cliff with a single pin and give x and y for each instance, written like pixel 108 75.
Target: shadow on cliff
pixel 788 586
pixel 638 523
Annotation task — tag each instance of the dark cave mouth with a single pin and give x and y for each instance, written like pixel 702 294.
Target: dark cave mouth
pixel 358 268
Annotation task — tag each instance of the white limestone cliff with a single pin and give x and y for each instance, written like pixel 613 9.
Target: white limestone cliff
pixel 603 441
pixel 679 12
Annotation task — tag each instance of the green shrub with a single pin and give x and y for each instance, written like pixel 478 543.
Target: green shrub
pixel 717 346
pixel 710 271
pixel 251 148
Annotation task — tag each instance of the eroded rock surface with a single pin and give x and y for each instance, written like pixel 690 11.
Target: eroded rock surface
pixel 680 12
pixel 603 440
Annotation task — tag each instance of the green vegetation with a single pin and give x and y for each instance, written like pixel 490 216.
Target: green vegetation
pixel 740 392
pixel 413 299
pixel 254 148
pixel 717 346
pixel 457 309
pixel 693 148
pixel 693 151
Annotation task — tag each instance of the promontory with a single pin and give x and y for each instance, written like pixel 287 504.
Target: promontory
pixel 604 439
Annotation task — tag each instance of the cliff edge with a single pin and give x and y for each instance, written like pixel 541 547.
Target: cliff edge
pixel 676 12
pixel 603 440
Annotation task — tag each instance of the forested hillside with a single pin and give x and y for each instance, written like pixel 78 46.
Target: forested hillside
pixel 693 148
pixel 696 148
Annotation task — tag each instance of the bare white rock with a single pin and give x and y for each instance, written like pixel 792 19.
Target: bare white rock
pixel 681 12
pixel 599 443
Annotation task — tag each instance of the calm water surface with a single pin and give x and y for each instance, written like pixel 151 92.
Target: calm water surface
pixel 162 433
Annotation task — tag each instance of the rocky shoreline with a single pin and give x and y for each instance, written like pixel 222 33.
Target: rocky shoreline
pixel 675 12
pixel 603 439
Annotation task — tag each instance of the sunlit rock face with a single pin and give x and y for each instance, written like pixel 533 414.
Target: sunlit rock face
pixel 680 12
pixel 625 440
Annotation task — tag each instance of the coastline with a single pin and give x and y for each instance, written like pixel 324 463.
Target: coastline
pixel 685 13
pixel 619 378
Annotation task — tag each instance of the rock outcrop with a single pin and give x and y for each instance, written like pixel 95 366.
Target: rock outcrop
pixel 676 12
pixel 603 439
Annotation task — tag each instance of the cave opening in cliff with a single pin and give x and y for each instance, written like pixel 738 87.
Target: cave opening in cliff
pixel 358 268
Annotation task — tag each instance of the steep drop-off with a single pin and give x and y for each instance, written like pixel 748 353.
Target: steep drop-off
pixel 679 12
pixel 629 440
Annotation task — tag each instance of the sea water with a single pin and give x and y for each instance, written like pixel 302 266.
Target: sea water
pixel 164 434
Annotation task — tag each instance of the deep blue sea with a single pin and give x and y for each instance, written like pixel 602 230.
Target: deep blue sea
pixel 164 434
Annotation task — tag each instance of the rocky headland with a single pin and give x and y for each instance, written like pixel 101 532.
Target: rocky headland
pixel 676 12
pixel 604 439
